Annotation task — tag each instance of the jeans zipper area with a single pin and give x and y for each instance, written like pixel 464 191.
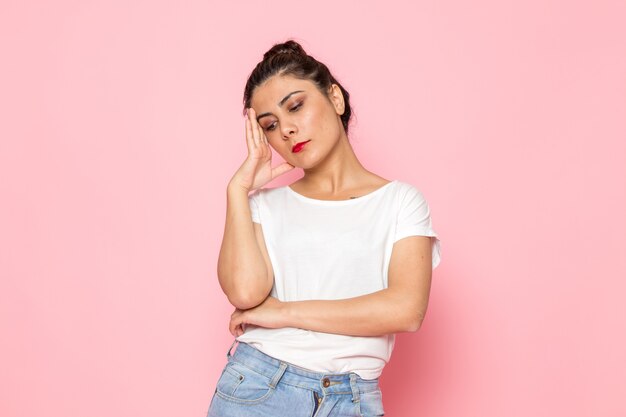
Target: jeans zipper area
pixel 318 400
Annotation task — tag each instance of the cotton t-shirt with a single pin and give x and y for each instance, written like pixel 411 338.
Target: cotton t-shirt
pixel 325 250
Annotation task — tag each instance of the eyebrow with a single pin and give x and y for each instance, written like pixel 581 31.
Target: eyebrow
pixel 280 103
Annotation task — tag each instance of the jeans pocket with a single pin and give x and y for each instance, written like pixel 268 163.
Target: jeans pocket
pixel 371 404
pixel 243 385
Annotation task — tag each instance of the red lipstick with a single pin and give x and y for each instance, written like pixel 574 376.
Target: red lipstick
pixel 298 146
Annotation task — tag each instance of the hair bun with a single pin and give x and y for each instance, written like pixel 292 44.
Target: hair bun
pixel 289 47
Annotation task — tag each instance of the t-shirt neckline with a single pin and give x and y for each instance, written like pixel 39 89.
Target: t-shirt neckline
pixel 339 202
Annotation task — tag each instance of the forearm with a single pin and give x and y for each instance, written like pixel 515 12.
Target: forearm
pixel 242 271
pixel 382 312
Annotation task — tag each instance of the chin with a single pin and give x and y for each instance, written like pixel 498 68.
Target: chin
pixel 307 163
pixel 299 164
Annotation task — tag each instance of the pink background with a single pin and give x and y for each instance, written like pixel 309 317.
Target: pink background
pixel 120 126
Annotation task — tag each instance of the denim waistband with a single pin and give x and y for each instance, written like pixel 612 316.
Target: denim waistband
pixel 280 371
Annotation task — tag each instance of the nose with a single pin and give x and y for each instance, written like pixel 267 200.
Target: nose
pixel 289 129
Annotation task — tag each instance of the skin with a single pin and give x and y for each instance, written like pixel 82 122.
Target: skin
pixel 331 172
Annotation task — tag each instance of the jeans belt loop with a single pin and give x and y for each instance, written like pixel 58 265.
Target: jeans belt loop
pixel 228 355
pixel 355 389
pixel 278 375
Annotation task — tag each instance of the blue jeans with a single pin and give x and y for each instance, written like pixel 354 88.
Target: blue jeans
pixel 254 384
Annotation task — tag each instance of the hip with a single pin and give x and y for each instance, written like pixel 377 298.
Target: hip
pixel 253 383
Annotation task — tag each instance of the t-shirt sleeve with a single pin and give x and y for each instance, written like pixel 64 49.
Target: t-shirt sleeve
pixel 414 220
pixel 253 200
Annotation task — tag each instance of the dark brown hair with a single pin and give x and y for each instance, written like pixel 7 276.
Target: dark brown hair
pixel 289 58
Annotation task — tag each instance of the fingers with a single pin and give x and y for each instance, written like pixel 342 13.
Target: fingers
pixel 232 326
pixel 236 325
pixel 252 133
pixel 255 126
pixel 249 139
pixel 261 135
pixel 256 131
pixel 281 169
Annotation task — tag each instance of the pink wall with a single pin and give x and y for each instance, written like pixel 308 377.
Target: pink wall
pixel 120 125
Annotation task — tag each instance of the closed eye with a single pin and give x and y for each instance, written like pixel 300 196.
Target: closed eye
pixel 273 125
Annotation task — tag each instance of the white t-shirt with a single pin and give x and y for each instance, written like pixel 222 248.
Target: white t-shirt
pixel 325 250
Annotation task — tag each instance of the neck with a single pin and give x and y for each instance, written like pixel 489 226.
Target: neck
pixel 339 171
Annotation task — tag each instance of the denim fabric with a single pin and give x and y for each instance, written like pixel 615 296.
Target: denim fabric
pixel 254 384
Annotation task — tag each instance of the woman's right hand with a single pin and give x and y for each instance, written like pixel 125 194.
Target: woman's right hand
pixel 256 170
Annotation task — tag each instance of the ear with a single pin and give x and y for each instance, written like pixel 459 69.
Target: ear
pixel 336 97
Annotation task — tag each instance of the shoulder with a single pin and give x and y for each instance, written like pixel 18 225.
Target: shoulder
pixel 406 189
pixel 266 193
pixel 410 198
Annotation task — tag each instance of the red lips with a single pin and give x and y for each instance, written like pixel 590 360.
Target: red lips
pixel 298 146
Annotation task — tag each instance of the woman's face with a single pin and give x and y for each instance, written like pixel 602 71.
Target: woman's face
pixel 292 111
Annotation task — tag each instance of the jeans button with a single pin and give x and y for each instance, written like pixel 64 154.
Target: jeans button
pixel 326 382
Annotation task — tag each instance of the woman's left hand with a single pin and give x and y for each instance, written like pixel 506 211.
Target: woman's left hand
pixel 270 314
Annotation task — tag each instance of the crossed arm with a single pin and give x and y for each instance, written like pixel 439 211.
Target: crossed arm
pixel 399 308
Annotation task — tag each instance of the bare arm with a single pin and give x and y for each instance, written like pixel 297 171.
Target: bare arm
pixel 244 271
pixel 243 267
pixel 399 308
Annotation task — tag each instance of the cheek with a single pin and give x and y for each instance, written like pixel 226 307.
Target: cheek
pixel 317 119
pixel 308 119
pixel 329 125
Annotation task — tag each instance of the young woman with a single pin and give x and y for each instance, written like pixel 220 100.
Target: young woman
pixel 322 272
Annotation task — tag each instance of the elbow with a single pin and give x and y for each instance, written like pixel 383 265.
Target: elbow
pixel 245 300
pixel 243 293
pixel 414 322
pixel 247 296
